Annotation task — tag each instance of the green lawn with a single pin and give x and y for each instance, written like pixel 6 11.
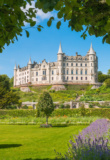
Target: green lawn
pixel 29 142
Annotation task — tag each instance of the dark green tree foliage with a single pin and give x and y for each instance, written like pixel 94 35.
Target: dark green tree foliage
pixel 100 73
pixel 45 104
pixel 89 16
pixel 107 82
pixel 108 72
pixel 102 77
pixel 12 18
pixel 7 97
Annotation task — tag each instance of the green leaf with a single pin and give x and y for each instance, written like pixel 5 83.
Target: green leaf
pixel 39 29
pixel 58 24
pixel 49 23
pixel 108 2
pixel 32 23
pixel 27 33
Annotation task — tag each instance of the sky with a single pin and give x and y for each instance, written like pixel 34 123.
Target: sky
pixel 45 45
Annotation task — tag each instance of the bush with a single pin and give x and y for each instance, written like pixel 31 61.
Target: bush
pixel 30 107
pixel 107 82
pixel 11 107
pixel 82 110
pixel 67 106
pixel 61 106
pixel 25 107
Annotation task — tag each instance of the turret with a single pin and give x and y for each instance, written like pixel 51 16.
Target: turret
pixel 29 63
pixel 60 53
pixel 92 64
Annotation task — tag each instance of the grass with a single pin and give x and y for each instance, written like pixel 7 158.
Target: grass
pixel 52 120
pixel 66 95
pixel 29 142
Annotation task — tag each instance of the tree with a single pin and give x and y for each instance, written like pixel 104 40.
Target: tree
pixel 7 96
pixel 13 19
pixel 100 73
pixel 45 104
pixel 108 72
pixel 107 82
pixel 102 77
pixel 92 16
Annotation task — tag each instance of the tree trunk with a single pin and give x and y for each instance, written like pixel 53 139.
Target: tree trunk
pixel 46 120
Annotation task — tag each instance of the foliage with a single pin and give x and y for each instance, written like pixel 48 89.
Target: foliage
pixel 107 82
pixel 45 125
pixel 103 77
pixel 14 19
pixel 25 107
pixel 91 143
pixel 100 73
pixel 11 81
pixel 108 72
pixel 81 16
pixel 7 96
pixel 82 110
pixel 45 104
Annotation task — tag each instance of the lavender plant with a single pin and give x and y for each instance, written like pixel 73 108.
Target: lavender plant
pixel 90 144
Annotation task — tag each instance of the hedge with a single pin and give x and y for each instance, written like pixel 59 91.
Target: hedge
pixel 100 112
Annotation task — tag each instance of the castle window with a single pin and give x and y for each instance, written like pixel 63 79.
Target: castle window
pixel 76 64
pixel 85 71
pixel 85 58
pixel 36 73
pixel 52 72
pixel 86 64
pixel 91 64
pixel 67 78
pixel 64 77
pixel 76 78
pixel 63 64
pixel 67 71
pixel 72 71
pixel 85 78
pixel 81 71
pixel 43 78
pixel 81 64
pixel 67 64
pixel 71 78
pixel 91 58
pixel 44 72
pixel 81 78
pixel 76 71
pixel 63 71
pixel 52 78
pixel 43 65
pixel 71 64
pixel 36 79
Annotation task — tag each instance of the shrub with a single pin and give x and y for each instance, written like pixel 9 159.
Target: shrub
pixel 107 82
pixel 91 143
pixel 45 104
pixel 30 107
pixel 82 110
pixel 61 106
pixel 25 107
pixel 67 106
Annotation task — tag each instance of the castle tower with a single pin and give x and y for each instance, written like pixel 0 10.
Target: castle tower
pixel 29 69
pixel 15 70
pixel 60 63
pixel 92 65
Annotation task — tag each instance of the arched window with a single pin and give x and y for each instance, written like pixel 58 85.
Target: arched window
pixel 52 72
pixel 81 71
pixel 71 64
pixel 76 64
pixel 76 71
pixel 76 78
pixel 67 78
pixel 71 78
pixel 86 71
pixel 67 71
pixel 85 78
pixel 67 64
pixel 81 78
pixel 72 71
pixel 81 64
pixel 91 64
pixel 86 64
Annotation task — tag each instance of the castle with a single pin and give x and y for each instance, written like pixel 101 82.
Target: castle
pixel 68 69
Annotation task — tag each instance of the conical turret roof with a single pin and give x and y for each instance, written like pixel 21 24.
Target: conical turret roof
pixel 15 67
pixel 91 50
pixel 60 49
pixel 30 61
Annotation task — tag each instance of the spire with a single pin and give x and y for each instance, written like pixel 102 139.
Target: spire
pixel 15 67
pixel 30 61
pixel 60 49
pixel 91 50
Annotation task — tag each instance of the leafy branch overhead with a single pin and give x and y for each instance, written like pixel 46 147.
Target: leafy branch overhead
pixel 13 16
pixel 89 16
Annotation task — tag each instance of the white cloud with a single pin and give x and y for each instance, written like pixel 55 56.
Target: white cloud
pixel 40 15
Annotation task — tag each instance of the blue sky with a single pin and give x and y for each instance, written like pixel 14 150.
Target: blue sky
pixel 45 44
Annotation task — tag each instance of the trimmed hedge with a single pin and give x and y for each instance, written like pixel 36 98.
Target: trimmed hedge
pixel 100 112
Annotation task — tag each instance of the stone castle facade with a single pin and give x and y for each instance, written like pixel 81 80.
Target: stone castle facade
pixel 68 69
